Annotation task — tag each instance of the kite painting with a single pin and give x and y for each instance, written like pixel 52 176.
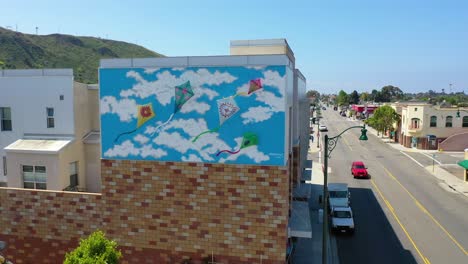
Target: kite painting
pixel 183 93
pixel 249 139
pixel 206 114
pixel 227 107
pixel 145 113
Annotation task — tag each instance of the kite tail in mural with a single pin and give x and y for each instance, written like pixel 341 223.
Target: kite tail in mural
pixel 206 132
pixel 145 113
pixel 158 128
pixel 249 139
pixel 228 151
pixel 124 133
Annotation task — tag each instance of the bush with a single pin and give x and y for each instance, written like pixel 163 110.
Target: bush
pixel 96 249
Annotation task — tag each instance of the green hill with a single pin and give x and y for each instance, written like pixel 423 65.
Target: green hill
pixel 25 51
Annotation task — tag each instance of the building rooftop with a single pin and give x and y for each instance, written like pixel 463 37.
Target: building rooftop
pixel 44 146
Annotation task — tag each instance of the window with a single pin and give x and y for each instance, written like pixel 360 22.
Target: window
pixel 5 117
pixel 50 117
pixel 74 174
pixel 433 121
pixel 465 121
pixel 34 177
pixel 4 166
pixel 448 121
pixel 415 109
pixel 414 122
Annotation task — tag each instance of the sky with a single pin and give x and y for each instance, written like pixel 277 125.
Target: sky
pixel 417 45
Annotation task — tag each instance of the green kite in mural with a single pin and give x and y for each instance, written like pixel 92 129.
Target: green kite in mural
pixel 183 93
pixel 249 139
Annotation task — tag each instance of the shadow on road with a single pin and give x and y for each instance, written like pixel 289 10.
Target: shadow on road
pixel 374 240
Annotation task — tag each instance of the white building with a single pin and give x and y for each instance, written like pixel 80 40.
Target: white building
pixel 48 125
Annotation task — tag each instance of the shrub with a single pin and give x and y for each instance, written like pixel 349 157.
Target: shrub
pixel 96 249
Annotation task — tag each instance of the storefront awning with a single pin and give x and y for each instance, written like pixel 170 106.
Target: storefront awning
pixel 299 222
pixel 464 164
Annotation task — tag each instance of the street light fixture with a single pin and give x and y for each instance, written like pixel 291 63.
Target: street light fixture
pixel 330 144
pixel 458 112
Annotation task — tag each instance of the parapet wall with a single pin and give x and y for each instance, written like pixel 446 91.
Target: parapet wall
pixel 158 212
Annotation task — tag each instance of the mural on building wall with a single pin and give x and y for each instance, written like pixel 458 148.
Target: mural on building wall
pixel 198 114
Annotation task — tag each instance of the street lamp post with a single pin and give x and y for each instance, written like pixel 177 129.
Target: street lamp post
pixel 330 144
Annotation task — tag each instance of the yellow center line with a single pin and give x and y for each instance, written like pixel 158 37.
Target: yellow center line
pixel 427 212
pixel 390 207
pixel 347 144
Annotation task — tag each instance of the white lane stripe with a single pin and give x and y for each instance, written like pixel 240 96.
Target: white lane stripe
pixel 429 156
pixel 411 158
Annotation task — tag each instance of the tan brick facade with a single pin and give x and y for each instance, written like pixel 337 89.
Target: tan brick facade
pixel 158 212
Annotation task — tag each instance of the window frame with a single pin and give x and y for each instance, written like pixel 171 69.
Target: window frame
pixel 417 123
pixel 76 167
pixel 447 123
pixel 3 119
pixel 5 172
pixel 465 121
pixel 50 118
pixel 36 183
pixel 431 124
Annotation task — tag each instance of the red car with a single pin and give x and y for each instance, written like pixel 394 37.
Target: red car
pixel 359 170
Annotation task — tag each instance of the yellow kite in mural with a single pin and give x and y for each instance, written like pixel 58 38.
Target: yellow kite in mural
pixel 145 113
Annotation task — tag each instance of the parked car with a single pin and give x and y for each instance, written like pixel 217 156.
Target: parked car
pixel 323 128
pixel 323 108
pixel 359 170
pixel 342 219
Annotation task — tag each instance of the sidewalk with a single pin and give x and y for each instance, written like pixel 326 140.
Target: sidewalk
pixel 452 181
pixel 310 250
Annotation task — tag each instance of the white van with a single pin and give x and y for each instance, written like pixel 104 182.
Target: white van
pixel 338 195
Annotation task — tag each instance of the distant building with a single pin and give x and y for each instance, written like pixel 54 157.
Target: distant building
pixel 49 134
pixel 425 126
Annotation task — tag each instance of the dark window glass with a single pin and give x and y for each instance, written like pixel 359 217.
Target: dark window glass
pixel 433 121
pixel 448 121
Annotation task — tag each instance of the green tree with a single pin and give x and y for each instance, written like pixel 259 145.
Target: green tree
pixel 364 97
pixel 383 119
pixel 312 93
pixel 96 249
pixel 354 97
pixel 342 98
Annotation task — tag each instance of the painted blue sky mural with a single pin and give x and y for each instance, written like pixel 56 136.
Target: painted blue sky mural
pixel 198 114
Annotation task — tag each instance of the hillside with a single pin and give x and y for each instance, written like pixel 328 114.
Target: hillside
pixel 25 51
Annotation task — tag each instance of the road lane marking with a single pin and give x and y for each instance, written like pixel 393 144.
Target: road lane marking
pixel 390 207
pixel 430 157
pixel 412 158
pixel 347 144
pixel 423 209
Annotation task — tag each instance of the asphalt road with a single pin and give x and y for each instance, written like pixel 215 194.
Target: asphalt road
pixel 403 214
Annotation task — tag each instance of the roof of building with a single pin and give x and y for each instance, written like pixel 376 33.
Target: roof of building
pixel 93 137
pixel 42 146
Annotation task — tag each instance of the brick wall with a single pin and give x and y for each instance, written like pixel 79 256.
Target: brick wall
pixel 158 212
pixel 40 226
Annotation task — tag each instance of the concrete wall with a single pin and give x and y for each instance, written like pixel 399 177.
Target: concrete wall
pixel 51 162
pixel 28 93
pixel 93 167
pixel 72 153
pixel 158 212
